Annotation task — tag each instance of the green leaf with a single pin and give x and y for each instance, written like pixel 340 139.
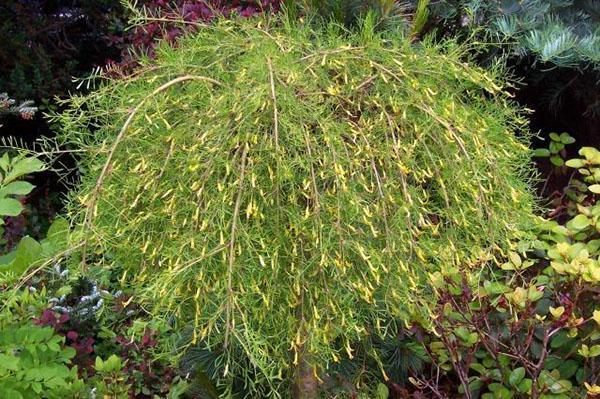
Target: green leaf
pixel 561 339
pixel 516 376
pixel 594 351
pixel 595 188
pixel 99 364
pixel 568 369
pixel 525 386
pixel 28 251
pixel 557 160
pixel 58 234
pixel 508 266
pixel 4 162
pixel 579 222
pixel 541 152
pixel 593 246
pixel 555 147
pixel 37 387
pixel 9 362
pixel 575 163
pixel 475 384
pixel 463 333
pixel 495 387
pixel 565 138
pixel 23 166
pixel 533 294
pixel 11 393
pixel 382 391
pixel 591 154
pixel 54 347
pixel 555 137
pixel 480 368
pixel 16 188
pixel 113 363
pixel 68 353
pixel 10 207
pixel 515 259
pixel 561 386
pixel 495 287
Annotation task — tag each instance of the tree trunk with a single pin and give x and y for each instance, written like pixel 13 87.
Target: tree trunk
pixel 306 386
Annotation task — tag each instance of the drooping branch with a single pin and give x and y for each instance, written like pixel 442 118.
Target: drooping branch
pixel 231 257
pixel 105 169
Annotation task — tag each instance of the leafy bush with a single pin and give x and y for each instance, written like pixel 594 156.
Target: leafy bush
pixel 11 170
pixel 28 252
pixel 530 328
pixel 34 361
pixel 45 343
pixel 280 189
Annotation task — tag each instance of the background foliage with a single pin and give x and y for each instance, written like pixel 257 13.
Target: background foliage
pixel 46 43
pixel 564 33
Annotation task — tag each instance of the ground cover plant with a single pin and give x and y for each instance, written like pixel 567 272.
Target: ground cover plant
pixel 56 327
pixel 283 191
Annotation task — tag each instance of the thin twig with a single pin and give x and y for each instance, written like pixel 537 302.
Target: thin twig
pixel 236 212
pixel 276 135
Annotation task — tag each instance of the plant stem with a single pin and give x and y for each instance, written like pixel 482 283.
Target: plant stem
pixel 306 382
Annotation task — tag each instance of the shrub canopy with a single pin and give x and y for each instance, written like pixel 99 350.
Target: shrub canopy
pixel 285 190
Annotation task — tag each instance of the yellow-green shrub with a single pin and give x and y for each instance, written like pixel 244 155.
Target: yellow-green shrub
pixel 282 189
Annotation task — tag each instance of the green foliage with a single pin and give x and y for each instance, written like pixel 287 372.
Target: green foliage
pixel 556 149
pixel 12 169
pixel 531 328
pixel 33 360
pixel 563 33
pixel 280 189
pixel 28 252
pixel 421 17
pixel 387 13
pixel 112 380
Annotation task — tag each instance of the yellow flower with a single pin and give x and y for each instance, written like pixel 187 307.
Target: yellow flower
pixel 557 312
pixel 592 390
pixel 596 317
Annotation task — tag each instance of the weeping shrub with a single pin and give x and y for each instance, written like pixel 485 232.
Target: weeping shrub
pixel 284 190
